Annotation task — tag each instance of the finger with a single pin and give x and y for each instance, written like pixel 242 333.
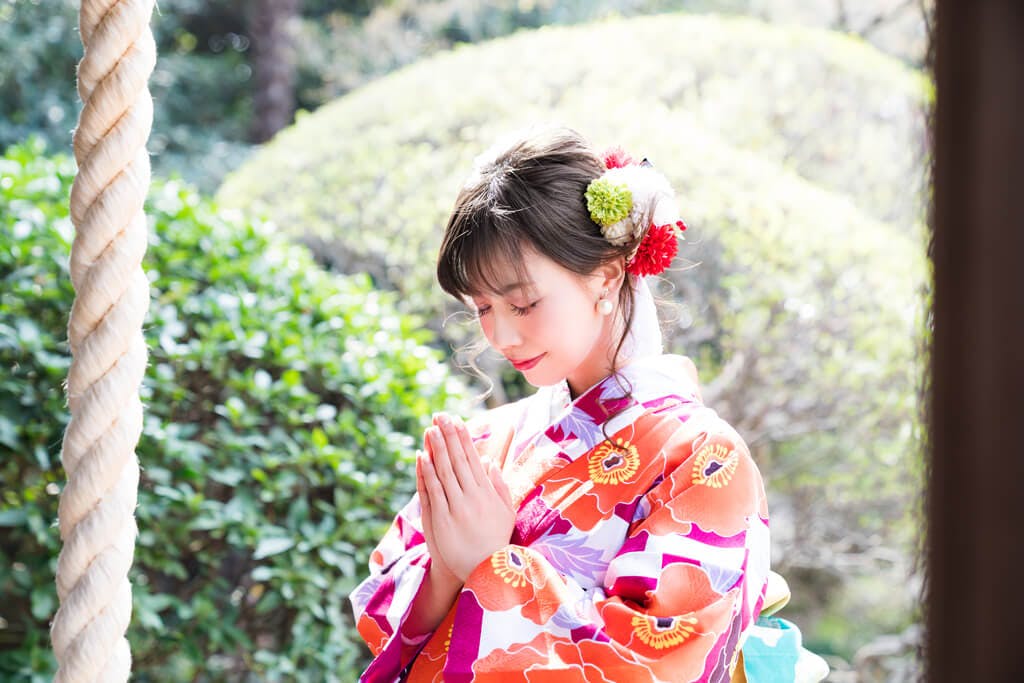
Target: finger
pixel 443 466
pixel 426 454
pixel 438 475
pixel 427 447
pixel 421 488
pixel 458 455
pixel 498 481
pixel 473 457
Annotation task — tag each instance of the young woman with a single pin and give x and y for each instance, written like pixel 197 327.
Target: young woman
pixel 610 527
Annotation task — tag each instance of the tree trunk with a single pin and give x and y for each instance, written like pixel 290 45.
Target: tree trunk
pixel 271 25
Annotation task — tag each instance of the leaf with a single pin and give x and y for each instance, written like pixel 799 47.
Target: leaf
pixel 16 517
pixel 319 438
pixel 44 602
pixel 262 574
pixel 272 546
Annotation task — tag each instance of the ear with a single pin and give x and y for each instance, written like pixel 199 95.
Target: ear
pixel 609 276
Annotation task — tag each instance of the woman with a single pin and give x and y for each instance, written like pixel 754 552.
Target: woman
pixel 608 527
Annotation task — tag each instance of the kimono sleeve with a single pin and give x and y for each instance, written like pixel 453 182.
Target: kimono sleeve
pixel 399 565
pixel 381 603
pixel 676 600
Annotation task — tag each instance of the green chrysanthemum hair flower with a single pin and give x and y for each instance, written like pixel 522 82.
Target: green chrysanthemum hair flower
pixel 608 202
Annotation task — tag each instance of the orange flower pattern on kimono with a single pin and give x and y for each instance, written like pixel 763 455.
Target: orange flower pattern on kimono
pixel 640 550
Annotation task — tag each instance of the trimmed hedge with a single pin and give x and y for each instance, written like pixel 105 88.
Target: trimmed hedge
pixel 392 154
pixel 282 405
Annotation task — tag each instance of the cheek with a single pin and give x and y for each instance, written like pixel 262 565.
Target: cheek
pixel 569 326
pixel 509 324
pixel 487 327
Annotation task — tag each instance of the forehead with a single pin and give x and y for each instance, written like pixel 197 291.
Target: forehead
pixel 532 273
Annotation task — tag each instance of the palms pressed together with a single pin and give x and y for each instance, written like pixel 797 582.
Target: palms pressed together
pixel 467 508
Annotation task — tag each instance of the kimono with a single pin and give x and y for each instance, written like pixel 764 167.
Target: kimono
pixel 640 550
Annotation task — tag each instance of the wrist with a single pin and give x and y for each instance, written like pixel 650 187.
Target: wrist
pixel 482 559
pixel 443 577
pixel 432 602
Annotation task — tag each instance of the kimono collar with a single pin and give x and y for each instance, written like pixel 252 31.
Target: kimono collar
pixel 652 380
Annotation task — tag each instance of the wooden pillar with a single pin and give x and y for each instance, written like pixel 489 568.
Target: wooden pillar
pixel 975 505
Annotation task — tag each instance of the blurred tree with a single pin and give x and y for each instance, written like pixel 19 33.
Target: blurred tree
pixel 271 30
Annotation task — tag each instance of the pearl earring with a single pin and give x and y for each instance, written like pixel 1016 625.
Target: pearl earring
pixel 604 306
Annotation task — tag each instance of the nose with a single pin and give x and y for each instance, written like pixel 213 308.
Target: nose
pixel 505 333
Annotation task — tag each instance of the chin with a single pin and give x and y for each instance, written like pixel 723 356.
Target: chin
pixel 540 384
pixel 543 379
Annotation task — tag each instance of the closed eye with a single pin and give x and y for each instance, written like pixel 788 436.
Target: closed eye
pixel 481 311
pixel 516 310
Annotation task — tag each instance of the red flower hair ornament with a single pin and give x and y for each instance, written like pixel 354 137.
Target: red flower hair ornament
pixel 633 202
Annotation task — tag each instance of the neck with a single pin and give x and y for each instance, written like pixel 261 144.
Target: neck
pixel 583 380
pixel 601 362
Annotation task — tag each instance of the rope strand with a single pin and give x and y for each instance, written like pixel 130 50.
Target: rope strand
pixel 109 354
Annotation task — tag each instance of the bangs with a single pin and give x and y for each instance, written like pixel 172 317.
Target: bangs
pixel 482 253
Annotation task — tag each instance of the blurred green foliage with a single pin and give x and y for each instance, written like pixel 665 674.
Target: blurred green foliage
pixel 345 49
pixel 282 404
pixel 828 108
pixel 39 45
pixel 202 84
pixel 798 158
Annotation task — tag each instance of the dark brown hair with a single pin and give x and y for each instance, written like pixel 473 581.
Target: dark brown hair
pixel 528 193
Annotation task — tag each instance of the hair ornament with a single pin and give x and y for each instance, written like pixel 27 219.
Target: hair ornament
pixel 632 202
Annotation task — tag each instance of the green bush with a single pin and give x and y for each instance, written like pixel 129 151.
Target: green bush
pixel 282 404
pixel 796 155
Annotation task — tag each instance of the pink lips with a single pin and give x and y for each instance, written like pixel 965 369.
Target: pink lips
pixel 525 364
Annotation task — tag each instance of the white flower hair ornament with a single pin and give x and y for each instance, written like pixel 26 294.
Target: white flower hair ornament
pixel 633 202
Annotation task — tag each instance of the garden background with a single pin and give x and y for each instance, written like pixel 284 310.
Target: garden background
pixel 305 155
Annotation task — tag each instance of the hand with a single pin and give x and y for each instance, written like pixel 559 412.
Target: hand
pixel 469 506
pixel 437 563
pixel 440 587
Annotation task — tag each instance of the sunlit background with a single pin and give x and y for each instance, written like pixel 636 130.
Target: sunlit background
pixel 305 155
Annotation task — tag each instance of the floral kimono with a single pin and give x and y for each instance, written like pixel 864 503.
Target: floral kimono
pixel 640 550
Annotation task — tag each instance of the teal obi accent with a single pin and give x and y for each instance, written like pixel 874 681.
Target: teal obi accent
pixel 774 653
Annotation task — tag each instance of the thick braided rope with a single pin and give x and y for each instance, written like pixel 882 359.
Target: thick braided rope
pixel 97 506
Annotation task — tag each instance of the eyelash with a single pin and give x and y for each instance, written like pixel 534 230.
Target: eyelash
pixel 516 310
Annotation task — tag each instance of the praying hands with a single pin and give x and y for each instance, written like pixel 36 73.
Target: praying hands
pixel 467 508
